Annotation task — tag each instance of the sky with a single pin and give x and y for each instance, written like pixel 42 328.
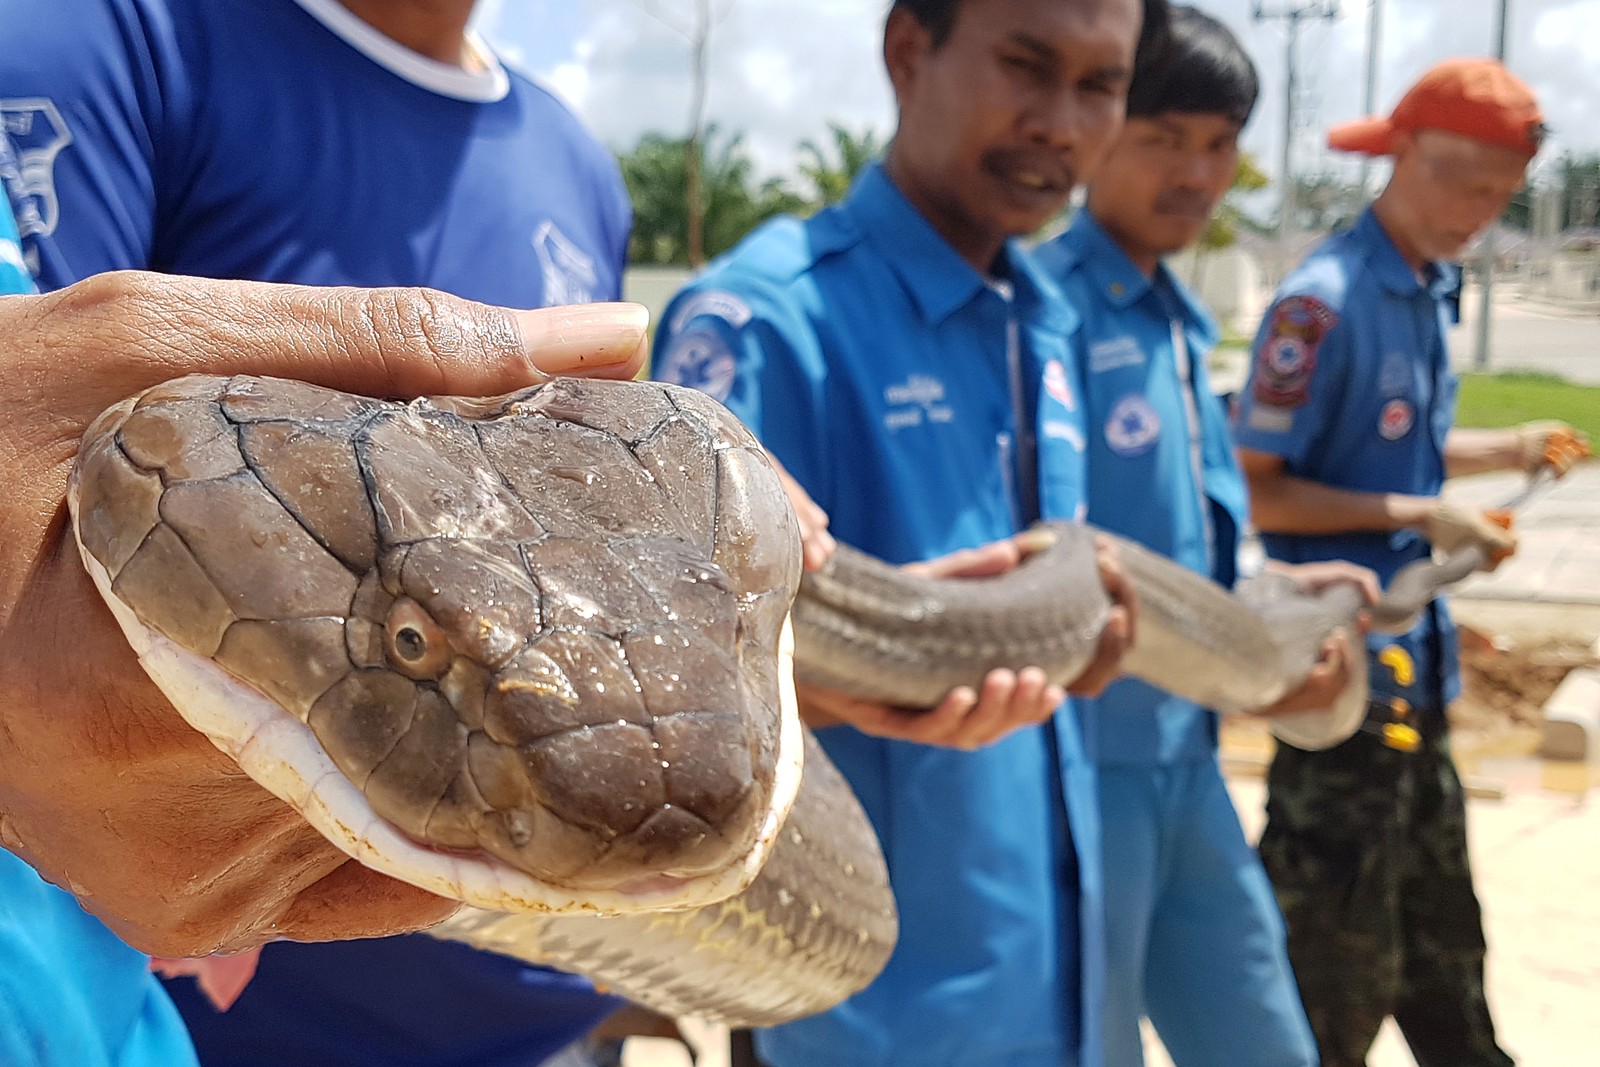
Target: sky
pixel 782 70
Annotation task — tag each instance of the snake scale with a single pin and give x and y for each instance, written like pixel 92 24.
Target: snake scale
pixel 529 652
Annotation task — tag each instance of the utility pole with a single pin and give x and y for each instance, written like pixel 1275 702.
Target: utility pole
pixel 1486 253
pixel 1294 13
pixel 1374 62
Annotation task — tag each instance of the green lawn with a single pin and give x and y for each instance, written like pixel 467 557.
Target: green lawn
pixel 1518 396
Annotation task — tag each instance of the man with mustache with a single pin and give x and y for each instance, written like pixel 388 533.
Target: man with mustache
pixel 1346 438
pixel 1193 935
pixel 896 354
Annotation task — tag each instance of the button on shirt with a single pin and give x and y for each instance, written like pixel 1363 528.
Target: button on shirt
pixel 905 392
pixel 1161 465
pixel 1351 385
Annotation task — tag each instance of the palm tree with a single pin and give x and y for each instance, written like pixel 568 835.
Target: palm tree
pixel 831 177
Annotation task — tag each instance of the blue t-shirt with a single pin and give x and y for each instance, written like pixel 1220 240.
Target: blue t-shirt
pixel 1161 465
pixel 926 409
pixel 253 140
pixel 1351 385
pixel 284 140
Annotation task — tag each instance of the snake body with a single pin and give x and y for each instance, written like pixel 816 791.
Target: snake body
pixel 524 652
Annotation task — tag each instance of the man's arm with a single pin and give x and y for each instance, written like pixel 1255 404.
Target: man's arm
pixel 1283 503
pixel 104 789
pixel 1533 445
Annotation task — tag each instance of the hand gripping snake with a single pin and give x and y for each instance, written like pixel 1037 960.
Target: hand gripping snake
pixel 529 653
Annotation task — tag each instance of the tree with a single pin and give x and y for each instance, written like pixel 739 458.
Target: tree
pixel 831 174
pixel 656 172
pixel 697 31
pixel 1223 229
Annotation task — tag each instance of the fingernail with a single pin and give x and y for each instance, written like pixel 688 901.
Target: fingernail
pixel 579 337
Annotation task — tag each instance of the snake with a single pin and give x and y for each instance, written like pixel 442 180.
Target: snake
pixel 536 653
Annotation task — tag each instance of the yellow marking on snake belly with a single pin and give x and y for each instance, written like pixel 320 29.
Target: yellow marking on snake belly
pixel 743 918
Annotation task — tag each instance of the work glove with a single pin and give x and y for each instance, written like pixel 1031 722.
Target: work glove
pixel 1550 443
pixel 1453 527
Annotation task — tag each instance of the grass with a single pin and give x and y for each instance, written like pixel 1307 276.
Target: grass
pixel 1490 400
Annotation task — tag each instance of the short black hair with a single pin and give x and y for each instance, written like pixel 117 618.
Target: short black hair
pixel 938 17
pixel 1198 68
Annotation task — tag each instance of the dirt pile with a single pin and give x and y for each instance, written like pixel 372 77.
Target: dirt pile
pixel 1504 684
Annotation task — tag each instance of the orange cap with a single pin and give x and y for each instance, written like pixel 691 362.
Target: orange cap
pixel 1477 98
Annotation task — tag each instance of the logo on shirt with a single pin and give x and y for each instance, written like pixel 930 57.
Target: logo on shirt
pixel 569 273
pixel 699 359
pixel 1058 385
pixel 918 400
pixel 1286 356
pixel 1117 352
pixel 35 133
pixel 1396 420
pixel 1133 426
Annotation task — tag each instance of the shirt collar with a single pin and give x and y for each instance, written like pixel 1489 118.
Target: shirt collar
pixel 938 280
pixel 1394 272
pixel 1123 284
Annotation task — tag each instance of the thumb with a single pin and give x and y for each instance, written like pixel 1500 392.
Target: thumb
pixel 142 329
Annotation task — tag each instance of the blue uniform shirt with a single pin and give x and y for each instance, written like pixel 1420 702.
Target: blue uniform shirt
pixel 1351 385
pixel 1161 465
pixel 926 409
pixel 285 140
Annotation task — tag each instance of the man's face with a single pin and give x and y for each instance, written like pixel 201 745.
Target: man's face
pixel 1163 179
pixel 1001 121
pixel 1451 188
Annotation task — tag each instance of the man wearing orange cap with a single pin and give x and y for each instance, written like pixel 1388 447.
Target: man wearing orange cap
pixel 1346 438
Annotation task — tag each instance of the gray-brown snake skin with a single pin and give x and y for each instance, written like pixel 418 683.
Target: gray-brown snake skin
pixel 540 631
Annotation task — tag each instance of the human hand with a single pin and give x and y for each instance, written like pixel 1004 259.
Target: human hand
pixel 1327 679
pixel 816 543
pixel 966 718
pixel 1550 443
pixel 1450 528
pixel 1118 635
pixel 1313 578
pixel 103 787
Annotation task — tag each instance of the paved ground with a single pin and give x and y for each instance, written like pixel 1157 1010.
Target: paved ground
pixel 1530 335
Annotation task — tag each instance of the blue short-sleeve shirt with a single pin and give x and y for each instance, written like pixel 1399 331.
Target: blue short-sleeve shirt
pixel 926 409
pixel 1351 385
pixel 1161 465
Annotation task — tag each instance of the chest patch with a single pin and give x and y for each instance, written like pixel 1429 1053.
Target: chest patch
pixel 1115 353
pixel 1133 426
pixel 1286 356
pixel 1058 385
pixel 1396 419
pixel 569 273
pixel 917 401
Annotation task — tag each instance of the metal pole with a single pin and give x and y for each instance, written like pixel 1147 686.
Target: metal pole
pixel 1286 210
pixel 1370 105
pixel 1486 253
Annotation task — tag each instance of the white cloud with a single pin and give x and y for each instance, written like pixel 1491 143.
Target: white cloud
pixel 782 69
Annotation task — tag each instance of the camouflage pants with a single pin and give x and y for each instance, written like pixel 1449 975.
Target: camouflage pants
pixel 1367 849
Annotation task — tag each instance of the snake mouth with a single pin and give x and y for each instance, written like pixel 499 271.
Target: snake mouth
pixel 282 754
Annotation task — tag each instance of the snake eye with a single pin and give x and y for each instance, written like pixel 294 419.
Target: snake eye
pixel 415 644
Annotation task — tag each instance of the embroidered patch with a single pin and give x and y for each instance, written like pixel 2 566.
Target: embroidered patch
pixel 699 359
pixel 1057 384
pixel 1397 419
pixel 1286 358
pixel 1115 353
pixel 1133 426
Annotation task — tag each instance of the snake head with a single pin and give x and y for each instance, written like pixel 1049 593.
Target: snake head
pixel 534 636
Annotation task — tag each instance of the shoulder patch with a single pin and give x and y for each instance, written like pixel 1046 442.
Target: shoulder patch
pixel 717 303
pixel 699 358
pixel 1286 355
